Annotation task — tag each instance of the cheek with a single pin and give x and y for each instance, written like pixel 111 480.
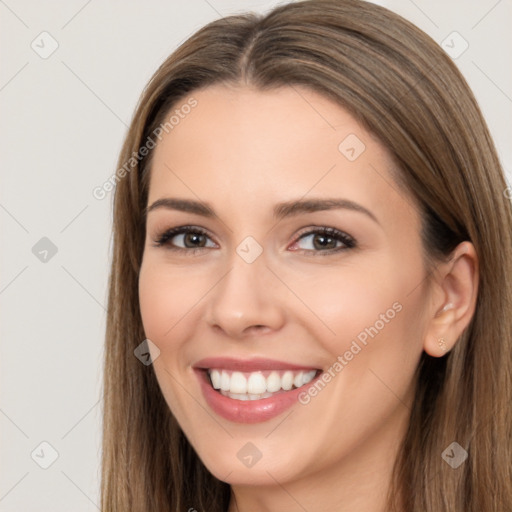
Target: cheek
pixel 165 298
pixel 374 351
pixel 349 300
pixel 154 300
pixel 369 314
pixel 164 302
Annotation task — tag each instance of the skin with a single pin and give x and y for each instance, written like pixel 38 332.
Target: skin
pixel 243 151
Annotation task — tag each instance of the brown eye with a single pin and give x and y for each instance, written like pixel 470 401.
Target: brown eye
pixel 325 240
pixel 194 239
pixel 185 238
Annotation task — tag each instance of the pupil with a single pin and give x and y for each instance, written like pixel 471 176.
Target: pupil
pixel 324 241
pixel 193 237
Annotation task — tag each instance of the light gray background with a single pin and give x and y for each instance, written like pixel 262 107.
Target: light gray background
pixel 63 120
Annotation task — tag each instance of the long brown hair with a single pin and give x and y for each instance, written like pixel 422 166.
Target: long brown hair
pixel 395 80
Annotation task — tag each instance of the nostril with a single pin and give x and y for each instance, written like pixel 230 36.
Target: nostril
pixel 258 328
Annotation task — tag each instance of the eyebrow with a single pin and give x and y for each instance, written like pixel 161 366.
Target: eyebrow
pixel 281 210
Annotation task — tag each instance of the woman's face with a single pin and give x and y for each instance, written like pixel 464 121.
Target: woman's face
pixel 312 337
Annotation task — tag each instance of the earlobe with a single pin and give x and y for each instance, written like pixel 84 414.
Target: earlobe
pixel 438 345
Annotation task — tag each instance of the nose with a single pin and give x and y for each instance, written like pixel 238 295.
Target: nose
pixel 246 301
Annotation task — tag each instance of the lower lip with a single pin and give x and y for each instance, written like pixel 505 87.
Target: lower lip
pixel 247 411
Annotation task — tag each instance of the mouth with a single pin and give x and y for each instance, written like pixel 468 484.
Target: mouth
pixel 252 391
pixel 258 385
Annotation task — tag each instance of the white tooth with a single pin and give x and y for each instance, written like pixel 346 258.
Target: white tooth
pixel 297 381
pixel 225 381
pixel 273 382
pixel 287 381
pixel 238 396
pixel 309 376
pixel 256 387
pixel 238 383
pixel 256 384
pixel 216 378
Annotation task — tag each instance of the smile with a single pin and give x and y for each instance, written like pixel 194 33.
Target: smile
pixel 252 391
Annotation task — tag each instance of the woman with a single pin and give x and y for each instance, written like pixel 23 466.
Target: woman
pixel 376 376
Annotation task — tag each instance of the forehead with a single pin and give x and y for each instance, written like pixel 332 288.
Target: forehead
pixel 251 146
pixel 235 123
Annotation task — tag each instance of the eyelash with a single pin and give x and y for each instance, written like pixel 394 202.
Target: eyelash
pixel 163 239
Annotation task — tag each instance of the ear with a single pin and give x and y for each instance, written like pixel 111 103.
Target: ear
pixel 455 291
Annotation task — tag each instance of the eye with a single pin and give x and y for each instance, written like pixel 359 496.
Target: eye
pixel 184 238
pixel 325 240
pixel 322 240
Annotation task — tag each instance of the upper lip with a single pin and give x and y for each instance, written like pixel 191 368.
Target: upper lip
pixel 248 365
